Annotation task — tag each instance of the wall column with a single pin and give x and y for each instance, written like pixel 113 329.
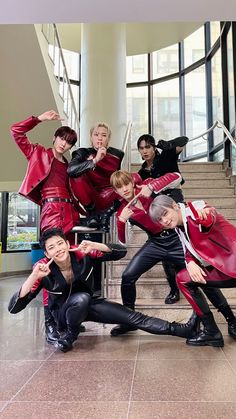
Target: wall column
pixel 103 80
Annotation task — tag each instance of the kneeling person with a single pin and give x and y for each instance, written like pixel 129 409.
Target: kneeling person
pixel 67 273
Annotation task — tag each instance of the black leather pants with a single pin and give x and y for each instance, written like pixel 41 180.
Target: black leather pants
pixel 74 311
pixel 158 248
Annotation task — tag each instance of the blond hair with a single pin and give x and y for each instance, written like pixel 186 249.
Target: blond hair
pixel 103 125
pixel 120 178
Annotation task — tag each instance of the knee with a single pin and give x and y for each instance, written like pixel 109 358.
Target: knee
pixel 128 277
pixel 182 278
pixel 81 299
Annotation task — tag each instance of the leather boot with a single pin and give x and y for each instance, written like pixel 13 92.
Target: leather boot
pixel 230 318
pixel 105 219
pixel 65 343
pixel 194 322
pixel 209 336
pixel 51 332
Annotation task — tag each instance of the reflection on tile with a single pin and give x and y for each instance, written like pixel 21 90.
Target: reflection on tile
pixel 71 410
pixel 14 375
pixel 80 381
pixel 182 410
pixel 151 348
pixel 27 348
pixel 101 347
pixel 196 380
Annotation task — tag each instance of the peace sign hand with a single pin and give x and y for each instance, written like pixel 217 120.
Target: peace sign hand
pixel 42 269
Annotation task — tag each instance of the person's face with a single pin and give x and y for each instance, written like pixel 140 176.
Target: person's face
pixel 171 217
pixel 61 146
pixel 147 151
pixel 126 191
pixel 99 137
pixel 57 248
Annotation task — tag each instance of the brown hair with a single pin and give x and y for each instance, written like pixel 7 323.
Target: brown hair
pixel 159 205
pixel 67 134
pixel 120 178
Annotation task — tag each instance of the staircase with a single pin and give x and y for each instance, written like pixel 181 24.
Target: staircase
pixel 208 181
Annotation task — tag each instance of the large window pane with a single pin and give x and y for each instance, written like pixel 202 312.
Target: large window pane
pixel 136 68
pixel 215 31
pixel 194 47
pixel 22 223
pixel 195 110
pixel 137 112
pixel 165 61
pixel 217 105
pixel 166 109
pixel 230 60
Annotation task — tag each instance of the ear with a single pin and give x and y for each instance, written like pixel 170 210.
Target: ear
pixel 54 139
pixel 175 206
pixel 46 254
pixel 68 243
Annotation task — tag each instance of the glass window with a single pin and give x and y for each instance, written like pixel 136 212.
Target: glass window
pixel 23 220
pixel 136 68
pixel 217 100
pixel 165 61
pixel 137 112
pixel 166 109
pixel 194 48
pixel 233 162
pixel 219 156
pixel 215 32
pixel 195 110
pixel 231 79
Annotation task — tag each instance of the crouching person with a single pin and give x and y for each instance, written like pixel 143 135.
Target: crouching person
pixel 67 274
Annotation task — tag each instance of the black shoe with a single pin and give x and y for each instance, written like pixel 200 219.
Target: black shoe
pixel 65 343
pixel 205 338
pixel 121 329
pixel 82 328
pixel 93 222
pixel 51 332
pixel 232 329
pixel 194 322
pixel 172 297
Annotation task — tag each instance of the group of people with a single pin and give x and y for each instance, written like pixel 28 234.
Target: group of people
pixel 93 184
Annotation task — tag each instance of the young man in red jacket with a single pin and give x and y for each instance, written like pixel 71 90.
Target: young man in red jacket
pixel 209 241
pixel 47 184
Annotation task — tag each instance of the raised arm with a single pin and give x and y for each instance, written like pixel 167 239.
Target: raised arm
pixel 177 143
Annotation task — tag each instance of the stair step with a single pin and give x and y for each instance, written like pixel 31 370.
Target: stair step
pixel 207 183
pixel 202 192
pixel 204 175
pixel 215 201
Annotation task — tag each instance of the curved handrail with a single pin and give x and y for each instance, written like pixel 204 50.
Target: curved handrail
pixel 72 113
pixel 217 124
pixel 126 147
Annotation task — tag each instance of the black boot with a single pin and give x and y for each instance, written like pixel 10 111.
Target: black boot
pixel 230 318
pixel 172 297
pixel 209 336
pixel 121 329
pixel 105 219
pixel 51 332
pixel 194 322
pixel 65 343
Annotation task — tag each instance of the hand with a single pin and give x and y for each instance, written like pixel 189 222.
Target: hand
pixel 196 273
pixel 202 216
pixel 125 214
pixel 102 151
pixel 50 116
pixel 86 246
pixel 145 190
pixel 42 269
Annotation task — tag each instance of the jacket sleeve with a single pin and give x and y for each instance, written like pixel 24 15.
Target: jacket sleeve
pixel 117 252
pixel 190 258
pixel 79 163
pixel 210 219
pixel 171 144
pixel 18 303
pixel 18 132
pixel 167 181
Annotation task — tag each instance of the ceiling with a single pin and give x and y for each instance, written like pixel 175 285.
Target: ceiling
pixel 72 11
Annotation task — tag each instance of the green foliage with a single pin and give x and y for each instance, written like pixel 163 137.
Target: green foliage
pixel 21 241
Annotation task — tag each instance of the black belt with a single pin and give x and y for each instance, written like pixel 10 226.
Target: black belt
pixel 165 233
pixel 57 200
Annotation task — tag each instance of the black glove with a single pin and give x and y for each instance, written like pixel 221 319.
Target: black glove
pixel 170 145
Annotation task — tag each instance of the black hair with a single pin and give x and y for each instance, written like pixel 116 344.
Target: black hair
pixel 149 139
pixel 47 234
pixel 67 134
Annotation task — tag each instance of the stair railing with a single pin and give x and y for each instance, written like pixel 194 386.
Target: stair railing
pixel 55 53
pixel 217 124
pixel 126 147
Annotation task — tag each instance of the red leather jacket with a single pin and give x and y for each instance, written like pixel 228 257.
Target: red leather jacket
pixel 39 159
pixel 141 218
pixel 215 244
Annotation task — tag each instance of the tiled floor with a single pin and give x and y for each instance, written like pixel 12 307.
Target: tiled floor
pixel 132 377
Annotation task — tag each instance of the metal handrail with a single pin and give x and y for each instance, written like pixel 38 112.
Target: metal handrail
pixel 67 94
pixel 217 124
pixel 126 147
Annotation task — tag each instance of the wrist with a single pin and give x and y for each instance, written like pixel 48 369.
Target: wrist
pixel 122 219
pixel 150 187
